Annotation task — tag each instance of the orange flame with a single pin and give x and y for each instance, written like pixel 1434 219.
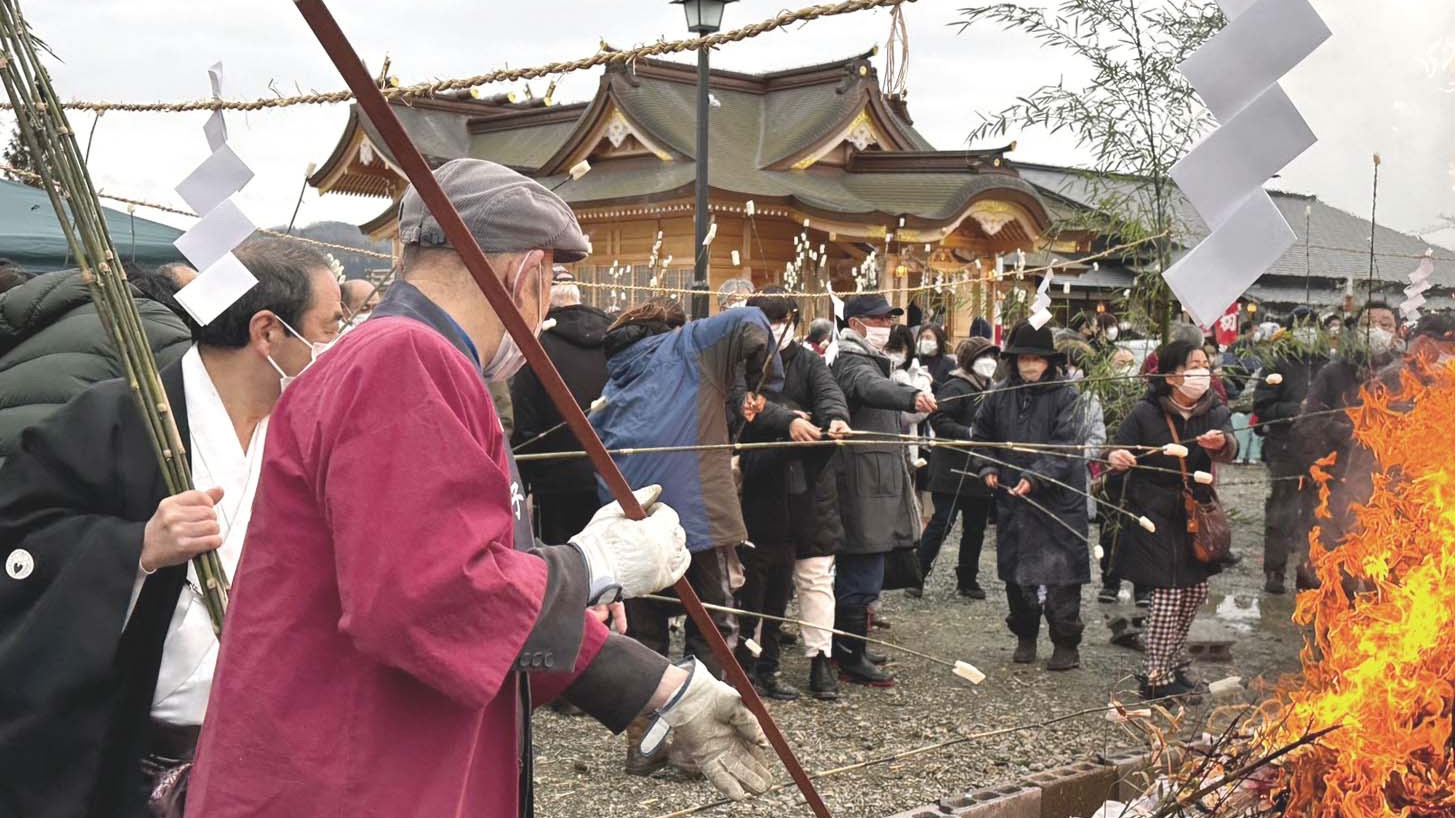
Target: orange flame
pixel 1381 663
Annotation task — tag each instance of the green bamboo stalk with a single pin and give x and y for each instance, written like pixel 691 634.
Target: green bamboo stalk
pixel 58 161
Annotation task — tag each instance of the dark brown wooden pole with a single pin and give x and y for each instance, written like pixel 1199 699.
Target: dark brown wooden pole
pixel 346 60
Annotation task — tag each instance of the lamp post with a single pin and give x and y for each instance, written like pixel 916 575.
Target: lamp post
pixel 703 17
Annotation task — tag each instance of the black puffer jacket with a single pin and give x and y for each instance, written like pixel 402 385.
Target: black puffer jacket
pixel 1283 402
pixel 815 528
pixel 1163 559
pixel 1032 548
pixel 953 421
pixel 53 346
pixel 575 346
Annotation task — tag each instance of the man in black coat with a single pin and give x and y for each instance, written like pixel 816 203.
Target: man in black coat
pixel 564 490
pixel 96 606
pixel 1286 520
pixel 790 506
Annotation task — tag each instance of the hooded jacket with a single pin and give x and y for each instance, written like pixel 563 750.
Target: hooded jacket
pixel 576 345
pixel 53 347
pixel 675 387
pixel 876 493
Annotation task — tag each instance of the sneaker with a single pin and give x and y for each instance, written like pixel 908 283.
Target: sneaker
pixel 1108 593
pixel 772 686
pixel 1144 599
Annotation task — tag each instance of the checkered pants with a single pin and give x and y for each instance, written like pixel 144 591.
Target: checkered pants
pixel 1166 632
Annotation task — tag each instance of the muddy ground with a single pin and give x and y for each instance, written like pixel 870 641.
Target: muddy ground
pixel 578 765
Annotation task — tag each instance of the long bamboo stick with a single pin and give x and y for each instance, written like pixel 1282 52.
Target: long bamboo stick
pixel 57 160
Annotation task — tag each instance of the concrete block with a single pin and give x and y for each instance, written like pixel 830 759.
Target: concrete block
pixel 1006 801
pixel 1074 790
pixel 1134 773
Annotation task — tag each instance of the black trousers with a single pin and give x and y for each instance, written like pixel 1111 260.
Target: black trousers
pixel 648 620
pixel 769 580
pixel 561 515
pixel 1287 518
pixel 1062 610
pixel 1108 537
pixel 974 513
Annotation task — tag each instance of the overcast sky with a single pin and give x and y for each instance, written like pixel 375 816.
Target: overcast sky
pixel 1384 82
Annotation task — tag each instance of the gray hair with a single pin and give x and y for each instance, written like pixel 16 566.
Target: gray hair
pixel 734 291
pixel 565 295
pixel 1191 333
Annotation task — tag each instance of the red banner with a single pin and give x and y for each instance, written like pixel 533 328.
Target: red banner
pixel 1226 329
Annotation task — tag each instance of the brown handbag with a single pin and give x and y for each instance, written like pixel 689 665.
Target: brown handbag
pixel 1207 522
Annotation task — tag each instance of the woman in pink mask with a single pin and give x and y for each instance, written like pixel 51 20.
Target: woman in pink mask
pixel 1180 407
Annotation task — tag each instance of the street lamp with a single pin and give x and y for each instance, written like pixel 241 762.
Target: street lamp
pixel 703 17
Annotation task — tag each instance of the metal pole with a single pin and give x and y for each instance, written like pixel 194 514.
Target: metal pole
pixel 700 253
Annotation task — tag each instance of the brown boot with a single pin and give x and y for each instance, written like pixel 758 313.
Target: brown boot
pixel 637 762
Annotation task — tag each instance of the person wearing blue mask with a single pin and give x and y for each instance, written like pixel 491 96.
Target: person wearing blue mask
pixel 106 647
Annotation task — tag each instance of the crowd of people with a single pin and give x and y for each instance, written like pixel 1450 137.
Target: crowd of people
pixel 399 501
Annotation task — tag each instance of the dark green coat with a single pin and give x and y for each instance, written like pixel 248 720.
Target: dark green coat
pixel 53 346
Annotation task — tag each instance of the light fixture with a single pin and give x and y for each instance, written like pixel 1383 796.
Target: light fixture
pixel 703 16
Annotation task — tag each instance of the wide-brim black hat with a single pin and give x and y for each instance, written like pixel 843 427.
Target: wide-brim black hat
pixel 1025 339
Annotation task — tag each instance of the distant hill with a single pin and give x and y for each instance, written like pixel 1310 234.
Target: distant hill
pixel 355 266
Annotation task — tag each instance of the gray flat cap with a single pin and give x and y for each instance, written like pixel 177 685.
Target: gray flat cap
pixel 506 212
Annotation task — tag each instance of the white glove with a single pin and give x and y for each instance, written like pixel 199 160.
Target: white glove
pixel 627 558
pixel 719 733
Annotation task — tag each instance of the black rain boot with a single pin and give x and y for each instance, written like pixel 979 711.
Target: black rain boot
pixel 823 684
pixel 1025 651
pixel 870 653
pixel 853 666
pixel 1064 657
pixel 1273 583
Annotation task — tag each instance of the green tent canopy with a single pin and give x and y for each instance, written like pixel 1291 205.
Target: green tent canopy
pixel 31 237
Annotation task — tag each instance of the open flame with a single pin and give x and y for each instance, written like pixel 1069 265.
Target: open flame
pixel 1381 660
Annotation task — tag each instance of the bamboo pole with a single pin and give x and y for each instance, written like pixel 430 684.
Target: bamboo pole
pixel 47 134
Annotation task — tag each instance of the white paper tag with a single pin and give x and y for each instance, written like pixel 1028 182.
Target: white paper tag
pixel 218 177
pixel 214 235
pixel 216 289
pixel 1216 272
pixel 1260 45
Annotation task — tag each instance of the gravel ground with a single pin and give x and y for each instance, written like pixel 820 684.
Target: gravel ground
pixel 578 767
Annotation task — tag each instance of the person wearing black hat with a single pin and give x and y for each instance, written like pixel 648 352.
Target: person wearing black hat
pixel 1287 514
pixel 1043 561
pixel 876 492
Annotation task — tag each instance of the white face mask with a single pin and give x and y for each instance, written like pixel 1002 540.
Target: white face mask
pixel 984 367
pixel 1381 340
pixel 876 337
pixel 1112 333
pixel 896 358
pixel 783 334
pixel 509 358
pixel 1195 383
pixel 315 349
pixel 928 346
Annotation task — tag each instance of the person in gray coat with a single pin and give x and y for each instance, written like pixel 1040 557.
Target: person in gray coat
pixel 53 347
pixel 1041 527
pixel 876 493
